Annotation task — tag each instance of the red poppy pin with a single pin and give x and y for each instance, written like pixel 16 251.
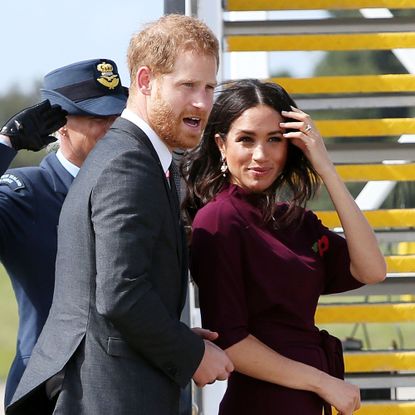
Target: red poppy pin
pixel 321 246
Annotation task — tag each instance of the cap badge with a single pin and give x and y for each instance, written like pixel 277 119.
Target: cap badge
pixel 108 78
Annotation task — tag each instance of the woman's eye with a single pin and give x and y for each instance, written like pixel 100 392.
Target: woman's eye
pixel 275 139
pixel 245 139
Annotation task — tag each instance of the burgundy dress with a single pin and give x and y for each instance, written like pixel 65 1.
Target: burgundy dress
pixel 255 280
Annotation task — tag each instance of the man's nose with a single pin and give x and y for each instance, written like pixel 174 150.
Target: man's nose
pixel 203 100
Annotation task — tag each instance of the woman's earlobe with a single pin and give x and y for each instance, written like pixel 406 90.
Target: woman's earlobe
pixel 220 143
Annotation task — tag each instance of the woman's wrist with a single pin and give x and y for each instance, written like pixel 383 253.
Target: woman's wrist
pixel 320 385
pixel 329 171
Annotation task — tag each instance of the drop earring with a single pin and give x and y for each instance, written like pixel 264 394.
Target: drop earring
pixel 224 166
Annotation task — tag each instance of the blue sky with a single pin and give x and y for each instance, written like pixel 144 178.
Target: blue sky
pixel 38 36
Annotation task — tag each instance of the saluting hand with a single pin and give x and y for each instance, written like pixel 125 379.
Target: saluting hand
pixel 30 129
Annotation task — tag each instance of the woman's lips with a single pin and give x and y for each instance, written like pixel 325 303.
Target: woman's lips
pixel 259 171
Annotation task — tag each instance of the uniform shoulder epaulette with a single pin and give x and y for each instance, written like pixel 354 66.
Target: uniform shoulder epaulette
pixel 15 183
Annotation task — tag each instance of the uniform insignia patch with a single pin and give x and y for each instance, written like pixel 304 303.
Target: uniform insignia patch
pixel 108 78
pixel 14 182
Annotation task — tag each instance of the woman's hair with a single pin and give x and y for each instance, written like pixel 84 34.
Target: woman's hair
pixel 159 44
pixel 297 182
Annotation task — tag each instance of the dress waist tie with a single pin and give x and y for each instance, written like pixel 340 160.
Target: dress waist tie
pixel 333 349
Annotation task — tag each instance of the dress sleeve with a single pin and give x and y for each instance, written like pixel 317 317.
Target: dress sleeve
pixel 217 268
pixel 334 252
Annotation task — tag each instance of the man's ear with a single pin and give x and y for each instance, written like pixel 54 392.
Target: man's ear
pixel 220 142
pixel 144 77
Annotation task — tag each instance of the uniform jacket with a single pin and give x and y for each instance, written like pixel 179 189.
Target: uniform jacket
pixel 120 288
pixel 30 202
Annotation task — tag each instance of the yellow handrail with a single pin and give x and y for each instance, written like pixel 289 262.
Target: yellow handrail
pixel 379 361
pixel 387 408
pixel 334 42
pixel 366 128
pixel 348 84
pixel 365 313
pixel 384 218
pixel 247 5
pixel 373 172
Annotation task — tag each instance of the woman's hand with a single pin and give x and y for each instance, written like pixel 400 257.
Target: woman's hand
pixel 205 333
pixel 367 265
pixel 344 396
pixel 307 138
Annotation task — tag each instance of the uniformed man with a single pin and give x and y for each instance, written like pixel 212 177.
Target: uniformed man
pixel 90 93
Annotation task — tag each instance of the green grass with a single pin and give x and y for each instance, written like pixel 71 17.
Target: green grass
pixel 8 324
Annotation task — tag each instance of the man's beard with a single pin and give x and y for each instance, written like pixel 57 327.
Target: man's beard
pixel 167 125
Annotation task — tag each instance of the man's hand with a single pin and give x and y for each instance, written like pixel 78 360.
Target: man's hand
pixel 215 365
pixel 29 129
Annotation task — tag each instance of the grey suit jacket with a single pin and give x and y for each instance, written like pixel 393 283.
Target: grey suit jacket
pixel 121 277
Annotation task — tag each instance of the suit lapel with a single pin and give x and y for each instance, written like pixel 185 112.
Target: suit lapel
pixel 138 134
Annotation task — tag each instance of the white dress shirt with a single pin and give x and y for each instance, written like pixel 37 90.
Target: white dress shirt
pixel 67 165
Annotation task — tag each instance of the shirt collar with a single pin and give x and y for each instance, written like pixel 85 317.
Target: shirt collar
pixel 67 165
pixel 162 150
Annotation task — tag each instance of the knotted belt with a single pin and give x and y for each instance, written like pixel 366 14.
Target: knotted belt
pixel 333 349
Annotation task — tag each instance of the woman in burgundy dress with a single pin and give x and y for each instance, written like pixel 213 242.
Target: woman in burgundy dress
pixel 261 260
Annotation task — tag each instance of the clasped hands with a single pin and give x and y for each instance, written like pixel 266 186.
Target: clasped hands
pixel 215 364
